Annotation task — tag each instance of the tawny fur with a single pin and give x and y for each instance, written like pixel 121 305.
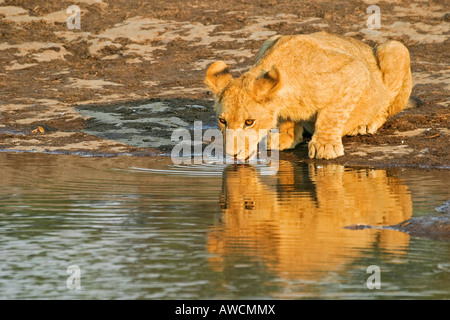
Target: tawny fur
pixel 330 85
pixel 281 217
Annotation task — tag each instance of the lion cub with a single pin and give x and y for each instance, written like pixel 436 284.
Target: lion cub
pixel 327 84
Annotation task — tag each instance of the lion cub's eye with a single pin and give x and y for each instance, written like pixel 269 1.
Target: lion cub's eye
pixel 222 120
pixel 249 122
pixel 249 204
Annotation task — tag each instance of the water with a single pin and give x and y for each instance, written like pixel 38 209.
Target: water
pixel 142 228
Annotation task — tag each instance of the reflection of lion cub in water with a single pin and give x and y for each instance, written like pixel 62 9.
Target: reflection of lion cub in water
pixel 332 85
pixel 295 220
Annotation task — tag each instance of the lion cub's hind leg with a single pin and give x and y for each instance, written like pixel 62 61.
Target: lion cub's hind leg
pixel 361 130
pixel 394 62
pixel 377 122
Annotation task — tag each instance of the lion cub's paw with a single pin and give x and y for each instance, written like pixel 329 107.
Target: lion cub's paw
pixel 373 127
pixel 291 134
pixel 362 129
pixel 287 142
pixel 320 150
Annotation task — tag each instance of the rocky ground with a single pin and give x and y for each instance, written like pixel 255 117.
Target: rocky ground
pixel 134 71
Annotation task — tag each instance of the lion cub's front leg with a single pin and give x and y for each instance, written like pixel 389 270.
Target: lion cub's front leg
pixel 326 143
pixel 349 85
pixel 291 134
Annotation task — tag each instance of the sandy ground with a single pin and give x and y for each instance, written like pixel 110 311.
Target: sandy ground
pixel 134 71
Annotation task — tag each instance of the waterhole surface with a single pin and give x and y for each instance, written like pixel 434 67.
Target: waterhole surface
pixel 143 228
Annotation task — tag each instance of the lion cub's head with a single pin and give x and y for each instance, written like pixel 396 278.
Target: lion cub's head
pixel 244 106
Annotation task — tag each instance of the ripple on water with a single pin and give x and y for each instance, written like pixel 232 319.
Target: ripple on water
pixel 205 169
pixel 147 228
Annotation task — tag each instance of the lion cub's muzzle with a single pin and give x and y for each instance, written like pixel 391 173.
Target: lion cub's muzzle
pixel 243 145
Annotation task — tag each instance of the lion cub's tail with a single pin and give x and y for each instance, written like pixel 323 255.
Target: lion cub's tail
pixel 413 102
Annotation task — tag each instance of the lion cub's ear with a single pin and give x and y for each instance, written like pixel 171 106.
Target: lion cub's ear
pixel 218 76
pixel 267 84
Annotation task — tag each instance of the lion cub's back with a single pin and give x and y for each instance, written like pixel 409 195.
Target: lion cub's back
pixel 285 50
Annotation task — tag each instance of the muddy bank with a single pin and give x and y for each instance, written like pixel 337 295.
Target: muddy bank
pixel 134 72
pixel 414 138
